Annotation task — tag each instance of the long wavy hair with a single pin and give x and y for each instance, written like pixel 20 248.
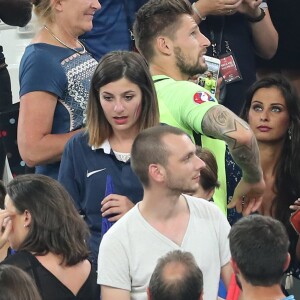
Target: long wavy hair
pixel 287 170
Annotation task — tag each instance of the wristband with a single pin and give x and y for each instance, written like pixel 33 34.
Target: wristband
pixel 197 12
pixel 257 19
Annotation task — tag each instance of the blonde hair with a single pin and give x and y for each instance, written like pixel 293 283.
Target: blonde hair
pixel 44 11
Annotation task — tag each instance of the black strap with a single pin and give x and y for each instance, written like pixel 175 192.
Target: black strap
pixel 216 30
pixel 160 79
pixel 129 21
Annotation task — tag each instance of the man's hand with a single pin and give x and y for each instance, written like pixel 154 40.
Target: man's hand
pixel 250 8
pixel 247 197
pixel 116 205
pixel 217 7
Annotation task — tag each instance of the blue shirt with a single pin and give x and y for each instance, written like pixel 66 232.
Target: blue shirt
pixel 83 172
pixel 67 75
pixel 111 26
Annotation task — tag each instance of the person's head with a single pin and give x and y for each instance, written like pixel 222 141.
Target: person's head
pixel 2 194
pixel 259 249
pixel 272 109
pixel 209 174
pixel 122 97
pixel 77 15
pixel 176 276
pixel 16 284
pixel 44 219
pixel 166 155
pixel 209 74
pixel 166 29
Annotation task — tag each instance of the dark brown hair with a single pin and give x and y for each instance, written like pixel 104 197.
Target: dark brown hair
pixel 55 226
pixel 209 174
pixel 112 67
pixel 287 181
pixel 15 284
pixel 155 18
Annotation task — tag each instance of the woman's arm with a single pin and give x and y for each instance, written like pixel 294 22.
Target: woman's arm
pixel 36 143
pixel 265 36
pixel 15 12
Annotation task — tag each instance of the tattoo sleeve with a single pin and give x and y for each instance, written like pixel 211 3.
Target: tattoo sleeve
pixel 219 122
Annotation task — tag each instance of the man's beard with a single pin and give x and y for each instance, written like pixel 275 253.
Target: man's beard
pixel 187 68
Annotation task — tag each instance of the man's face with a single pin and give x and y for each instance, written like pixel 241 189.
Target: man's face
pixel 189 47
pixel 183 168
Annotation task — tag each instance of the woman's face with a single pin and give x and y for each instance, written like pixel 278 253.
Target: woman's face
pixel 121 102
pixel 77 15
pixel 268 116
pixel 19 224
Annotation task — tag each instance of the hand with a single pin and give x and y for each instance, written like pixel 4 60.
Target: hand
pixel 247 197
pixel 5 225
pixel 219 83
pixel 217 7
pixel 116 205
pixel 296 205
pixel 250 8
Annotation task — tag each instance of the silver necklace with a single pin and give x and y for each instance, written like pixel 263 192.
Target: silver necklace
pixel 60 41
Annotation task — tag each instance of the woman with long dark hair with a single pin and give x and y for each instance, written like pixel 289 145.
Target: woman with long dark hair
pixel 272 109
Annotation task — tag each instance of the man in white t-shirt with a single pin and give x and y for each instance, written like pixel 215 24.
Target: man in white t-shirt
pixel 165 160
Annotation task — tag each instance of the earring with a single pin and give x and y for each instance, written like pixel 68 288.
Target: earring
pixel 290 133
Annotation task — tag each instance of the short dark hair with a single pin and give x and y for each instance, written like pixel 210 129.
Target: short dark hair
pixel 55 225
pixel 209 174
pixel 16 284
pixel 158 17
pixel 148 148
pixel 112 67
pixel 186 285
pixel 259 246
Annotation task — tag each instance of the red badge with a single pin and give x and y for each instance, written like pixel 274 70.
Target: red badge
pixel 201 97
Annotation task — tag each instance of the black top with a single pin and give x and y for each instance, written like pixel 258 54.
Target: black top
pixel 285 17
pixel 48 285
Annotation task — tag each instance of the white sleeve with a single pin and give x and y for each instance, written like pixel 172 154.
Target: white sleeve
pixel 224 250
pixel 113 264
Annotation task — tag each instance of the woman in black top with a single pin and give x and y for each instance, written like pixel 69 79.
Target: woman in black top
pixel 50 237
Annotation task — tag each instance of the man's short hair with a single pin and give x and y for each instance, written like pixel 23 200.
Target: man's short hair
pixel 155 18
pixel 176 276
pixel 259 246
pixel 148 148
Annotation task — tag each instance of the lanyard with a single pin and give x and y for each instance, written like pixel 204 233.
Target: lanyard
pixel 216 36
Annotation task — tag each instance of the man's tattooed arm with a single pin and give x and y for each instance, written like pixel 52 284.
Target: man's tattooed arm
pixel 221 123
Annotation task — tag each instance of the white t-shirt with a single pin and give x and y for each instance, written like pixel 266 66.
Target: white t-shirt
pixel 130 249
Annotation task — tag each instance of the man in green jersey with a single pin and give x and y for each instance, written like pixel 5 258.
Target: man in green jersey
pixel 210 82
pixel 169 38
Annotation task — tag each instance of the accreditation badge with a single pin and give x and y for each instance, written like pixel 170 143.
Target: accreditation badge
pixel 229 68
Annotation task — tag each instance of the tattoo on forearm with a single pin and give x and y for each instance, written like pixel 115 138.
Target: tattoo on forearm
pixel 221 123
